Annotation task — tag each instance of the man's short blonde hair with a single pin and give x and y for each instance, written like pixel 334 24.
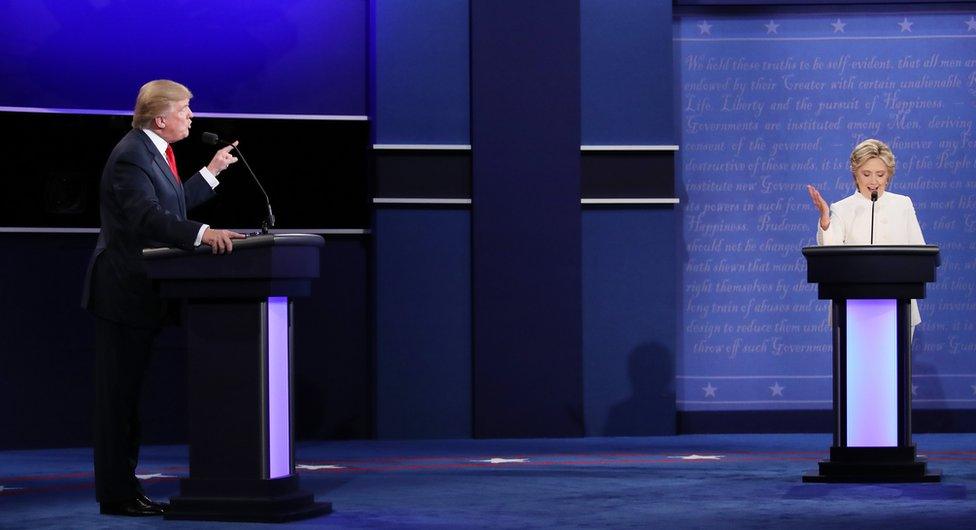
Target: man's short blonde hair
pixel 154 99
pixel 869 149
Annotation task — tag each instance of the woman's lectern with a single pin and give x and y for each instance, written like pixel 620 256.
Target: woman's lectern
pixel 870 289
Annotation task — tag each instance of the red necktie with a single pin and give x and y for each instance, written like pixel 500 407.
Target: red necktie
pixel 171 159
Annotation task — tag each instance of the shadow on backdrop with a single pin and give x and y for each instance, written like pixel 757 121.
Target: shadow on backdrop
pixel 650 407
pixel 929 412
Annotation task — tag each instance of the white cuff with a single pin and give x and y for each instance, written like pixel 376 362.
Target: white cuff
pixel 210 178
pixel 202 229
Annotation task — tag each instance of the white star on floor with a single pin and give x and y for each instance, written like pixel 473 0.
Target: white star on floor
pixel 709 390
pixel 316 467
pixel 838 26
pixel 906 25
pixel 971 24
pixel 154 475
pixel 502 461
pixel 698 457
pixel 771 27
pixel 704 28
pixel 776 389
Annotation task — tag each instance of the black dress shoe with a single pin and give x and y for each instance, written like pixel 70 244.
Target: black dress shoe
pixel 131 508
pixel 149 502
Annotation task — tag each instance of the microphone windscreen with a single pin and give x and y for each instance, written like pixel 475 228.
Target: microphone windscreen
pixel 209 138
pixel 874 196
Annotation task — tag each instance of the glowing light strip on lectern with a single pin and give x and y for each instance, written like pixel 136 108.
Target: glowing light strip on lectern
pixel 872 373
pixel 279 420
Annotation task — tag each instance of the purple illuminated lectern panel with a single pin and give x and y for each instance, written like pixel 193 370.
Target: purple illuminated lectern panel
pixel 279 445
pixel 872 373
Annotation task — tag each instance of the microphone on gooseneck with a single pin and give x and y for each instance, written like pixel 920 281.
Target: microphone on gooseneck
pixel 874 199
pixel 269 220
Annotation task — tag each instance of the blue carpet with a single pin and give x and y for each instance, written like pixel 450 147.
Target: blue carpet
pixel 701 481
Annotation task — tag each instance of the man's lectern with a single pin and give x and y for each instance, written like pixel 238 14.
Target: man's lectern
pixel 238 319
pixel 871 288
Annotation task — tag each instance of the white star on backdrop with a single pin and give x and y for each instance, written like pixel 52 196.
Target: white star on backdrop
pixel 914 390
pixel 772 27
pixel 704 28
pixel 496 460
pixel 838 26
pixel 698 457
pixel 974 389
pixel 5 488
pixel 316 467
pixel 906 25
pixel 776 389
pixel 709 390
pixel 971 24
pixel 154 475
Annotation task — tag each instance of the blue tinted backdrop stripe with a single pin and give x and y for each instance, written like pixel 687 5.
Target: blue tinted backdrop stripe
pixel 422 74
pixel 423 323
pixel 626 72
pixel 629 320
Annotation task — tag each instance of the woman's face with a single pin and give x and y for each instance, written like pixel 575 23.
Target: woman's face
pixel 871 176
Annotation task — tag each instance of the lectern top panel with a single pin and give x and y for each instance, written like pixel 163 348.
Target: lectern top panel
pixel 872 250
pixel 871 272
pixel 256 241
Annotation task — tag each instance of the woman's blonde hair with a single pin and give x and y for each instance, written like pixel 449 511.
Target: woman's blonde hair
pixel 869 149
pixel 154 99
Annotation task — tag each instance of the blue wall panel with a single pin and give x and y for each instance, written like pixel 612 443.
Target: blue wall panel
pixel 421 76
pixel 423 323
pixel 526 218
pixel 629 321
pixel 259 56
pixel 333 378
pixel 626 72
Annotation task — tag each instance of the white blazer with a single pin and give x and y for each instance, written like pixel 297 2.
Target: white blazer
pixel 895 223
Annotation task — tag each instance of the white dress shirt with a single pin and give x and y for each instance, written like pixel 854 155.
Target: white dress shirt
pixel 895 223
pixel 207 175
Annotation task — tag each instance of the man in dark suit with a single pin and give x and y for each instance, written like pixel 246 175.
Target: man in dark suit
pixel 143 204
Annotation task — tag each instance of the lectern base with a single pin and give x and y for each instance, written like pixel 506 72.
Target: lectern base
pixel 264 501
pixel 873 464
pixel 867 475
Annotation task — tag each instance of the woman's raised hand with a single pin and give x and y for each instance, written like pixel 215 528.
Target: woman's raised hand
pixel 821 205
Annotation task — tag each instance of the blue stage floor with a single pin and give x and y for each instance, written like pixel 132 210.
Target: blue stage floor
pixel 715 481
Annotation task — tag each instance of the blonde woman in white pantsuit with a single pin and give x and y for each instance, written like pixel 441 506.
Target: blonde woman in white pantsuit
pixel 848 221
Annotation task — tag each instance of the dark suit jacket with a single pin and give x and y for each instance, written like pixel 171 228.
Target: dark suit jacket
pixel 141 206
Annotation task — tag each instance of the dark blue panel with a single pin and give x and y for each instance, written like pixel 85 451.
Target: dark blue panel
pixel 48 342
pixel 421 77
pixel 626 72
pixel 423 323
pixel 629 321
pixel 333 378
pixel 260 56
pixel 526 218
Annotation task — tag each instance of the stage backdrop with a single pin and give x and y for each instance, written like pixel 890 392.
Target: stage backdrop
pixel 773 101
